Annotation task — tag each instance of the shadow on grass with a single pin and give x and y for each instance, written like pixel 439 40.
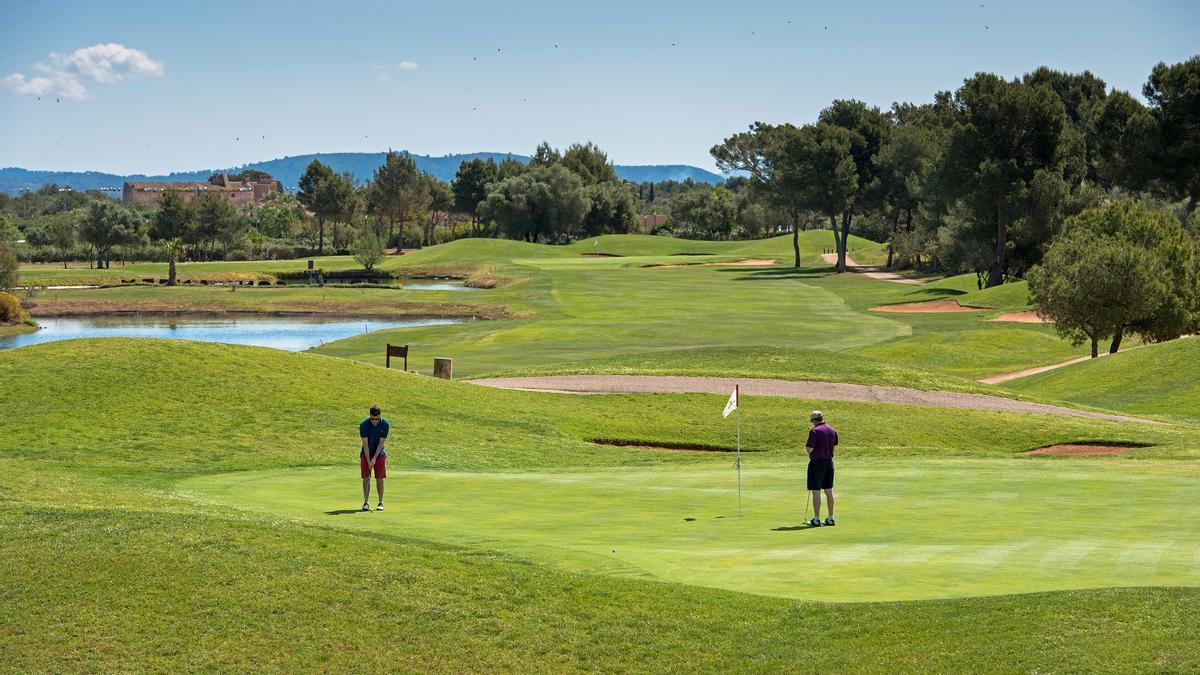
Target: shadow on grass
pixel 777 273
pixel 793 528
pixel 936 292
pixel 342 512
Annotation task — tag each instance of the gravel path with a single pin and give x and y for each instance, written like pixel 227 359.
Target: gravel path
pixel 832 391
pixel 875 272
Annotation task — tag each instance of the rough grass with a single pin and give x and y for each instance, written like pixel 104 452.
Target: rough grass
pixel 1156 380
pixel 762 362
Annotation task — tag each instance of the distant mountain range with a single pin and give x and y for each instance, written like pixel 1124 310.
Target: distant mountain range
pixel 288 169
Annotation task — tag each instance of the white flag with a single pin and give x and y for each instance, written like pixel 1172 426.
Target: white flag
pixel 732 404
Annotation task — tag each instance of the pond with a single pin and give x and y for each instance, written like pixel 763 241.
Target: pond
pixel 438 286
pixel 287 333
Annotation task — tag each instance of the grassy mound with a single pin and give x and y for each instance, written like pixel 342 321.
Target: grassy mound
pixel 1010 296
pixel 1154 380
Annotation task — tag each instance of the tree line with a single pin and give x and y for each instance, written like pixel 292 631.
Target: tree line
pixel 981 178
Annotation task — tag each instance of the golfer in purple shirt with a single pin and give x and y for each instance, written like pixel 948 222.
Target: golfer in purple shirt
pixel 822 441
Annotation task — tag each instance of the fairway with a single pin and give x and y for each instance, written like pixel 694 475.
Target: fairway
pixel 907 529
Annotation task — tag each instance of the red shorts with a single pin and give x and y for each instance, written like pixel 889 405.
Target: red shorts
pixel 380 466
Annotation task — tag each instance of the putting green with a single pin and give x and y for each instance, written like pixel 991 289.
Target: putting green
pixel 908 529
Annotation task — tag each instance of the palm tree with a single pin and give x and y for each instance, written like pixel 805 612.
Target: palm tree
pixel 174 248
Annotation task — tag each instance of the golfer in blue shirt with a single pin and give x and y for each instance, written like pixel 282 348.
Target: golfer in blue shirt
pixel 372 458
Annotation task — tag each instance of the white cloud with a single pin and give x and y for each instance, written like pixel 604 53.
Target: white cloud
pixel 34 86
pixel 384 73
pixel 102 63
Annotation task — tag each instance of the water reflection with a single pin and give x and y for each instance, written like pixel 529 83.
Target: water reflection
pixel 287 333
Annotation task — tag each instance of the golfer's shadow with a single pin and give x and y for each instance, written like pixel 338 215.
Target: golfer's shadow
pixel 342 512
pixel 793 528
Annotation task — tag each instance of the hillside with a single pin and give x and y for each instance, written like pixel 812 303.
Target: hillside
pixel 1153 380
pixel 288 169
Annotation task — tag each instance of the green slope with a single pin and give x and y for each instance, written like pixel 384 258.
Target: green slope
pixel 1156 380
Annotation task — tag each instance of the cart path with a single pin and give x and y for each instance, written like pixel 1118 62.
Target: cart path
pixel 1005 377
pixel 873 271
pixel 831 391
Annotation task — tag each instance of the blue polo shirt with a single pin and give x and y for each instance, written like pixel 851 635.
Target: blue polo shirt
pixel 374 433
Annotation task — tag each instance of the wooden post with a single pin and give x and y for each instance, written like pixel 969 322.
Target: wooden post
pixel 443 368
pixel 396 350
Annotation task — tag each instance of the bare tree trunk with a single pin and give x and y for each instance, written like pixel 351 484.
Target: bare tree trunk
pixel 837 237
pixel 320 236
pixel 1116 341
pixel 843 242
pixel 171 270
pixel 796 239
pixel 996 276
pixel 1095 347
pixel 889 262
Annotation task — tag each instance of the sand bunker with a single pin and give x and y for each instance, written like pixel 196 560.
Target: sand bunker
pixel 931 307
pixel 638 445
pixel 1028 316
pixel 737 263
pixel 1083 449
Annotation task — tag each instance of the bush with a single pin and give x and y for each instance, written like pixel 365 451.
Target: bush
pixel 9 275
pixel 11 310
pixel 237 255
pixel 368 250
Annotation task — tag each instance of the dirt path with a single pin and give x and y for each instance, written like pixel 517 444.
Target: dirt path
pixel 873 271
pixel 833 391
pixel 1005 377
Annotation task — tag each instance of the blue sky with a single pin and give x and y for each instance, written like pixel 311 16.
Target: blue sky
pixel 215 85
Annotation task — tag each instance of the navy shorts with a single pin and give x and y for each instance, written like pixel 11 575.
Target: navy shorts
pixel 820 474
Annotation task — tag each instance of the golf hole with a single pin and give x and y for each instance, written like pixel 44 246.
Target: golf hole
pixel 662 446
pixel 1086 449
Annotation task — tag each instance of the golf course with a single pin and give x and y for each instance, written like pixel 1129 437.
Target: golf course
pixel 170 505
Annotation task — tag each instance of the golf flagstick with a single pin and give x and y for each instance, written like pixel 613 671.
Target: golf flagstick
pixel 739 448
pixel 730 406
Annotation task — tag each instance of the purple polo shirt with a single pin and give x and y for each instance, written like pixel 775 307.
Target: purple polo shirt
pixel 822 439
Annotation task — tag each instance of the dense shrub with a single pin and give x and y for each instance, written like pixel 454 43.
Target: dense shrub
pixel 11 310
pixel 237 255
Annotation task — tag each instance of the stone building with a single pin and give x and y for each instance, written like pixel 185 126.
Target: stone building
pixel 240 193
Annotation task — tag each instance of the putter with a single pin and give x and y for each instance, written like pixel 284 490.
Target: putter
pixel 807 497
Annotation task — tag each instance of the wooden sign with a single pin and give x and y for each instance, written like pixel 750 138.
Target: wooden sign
pixel 398 351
